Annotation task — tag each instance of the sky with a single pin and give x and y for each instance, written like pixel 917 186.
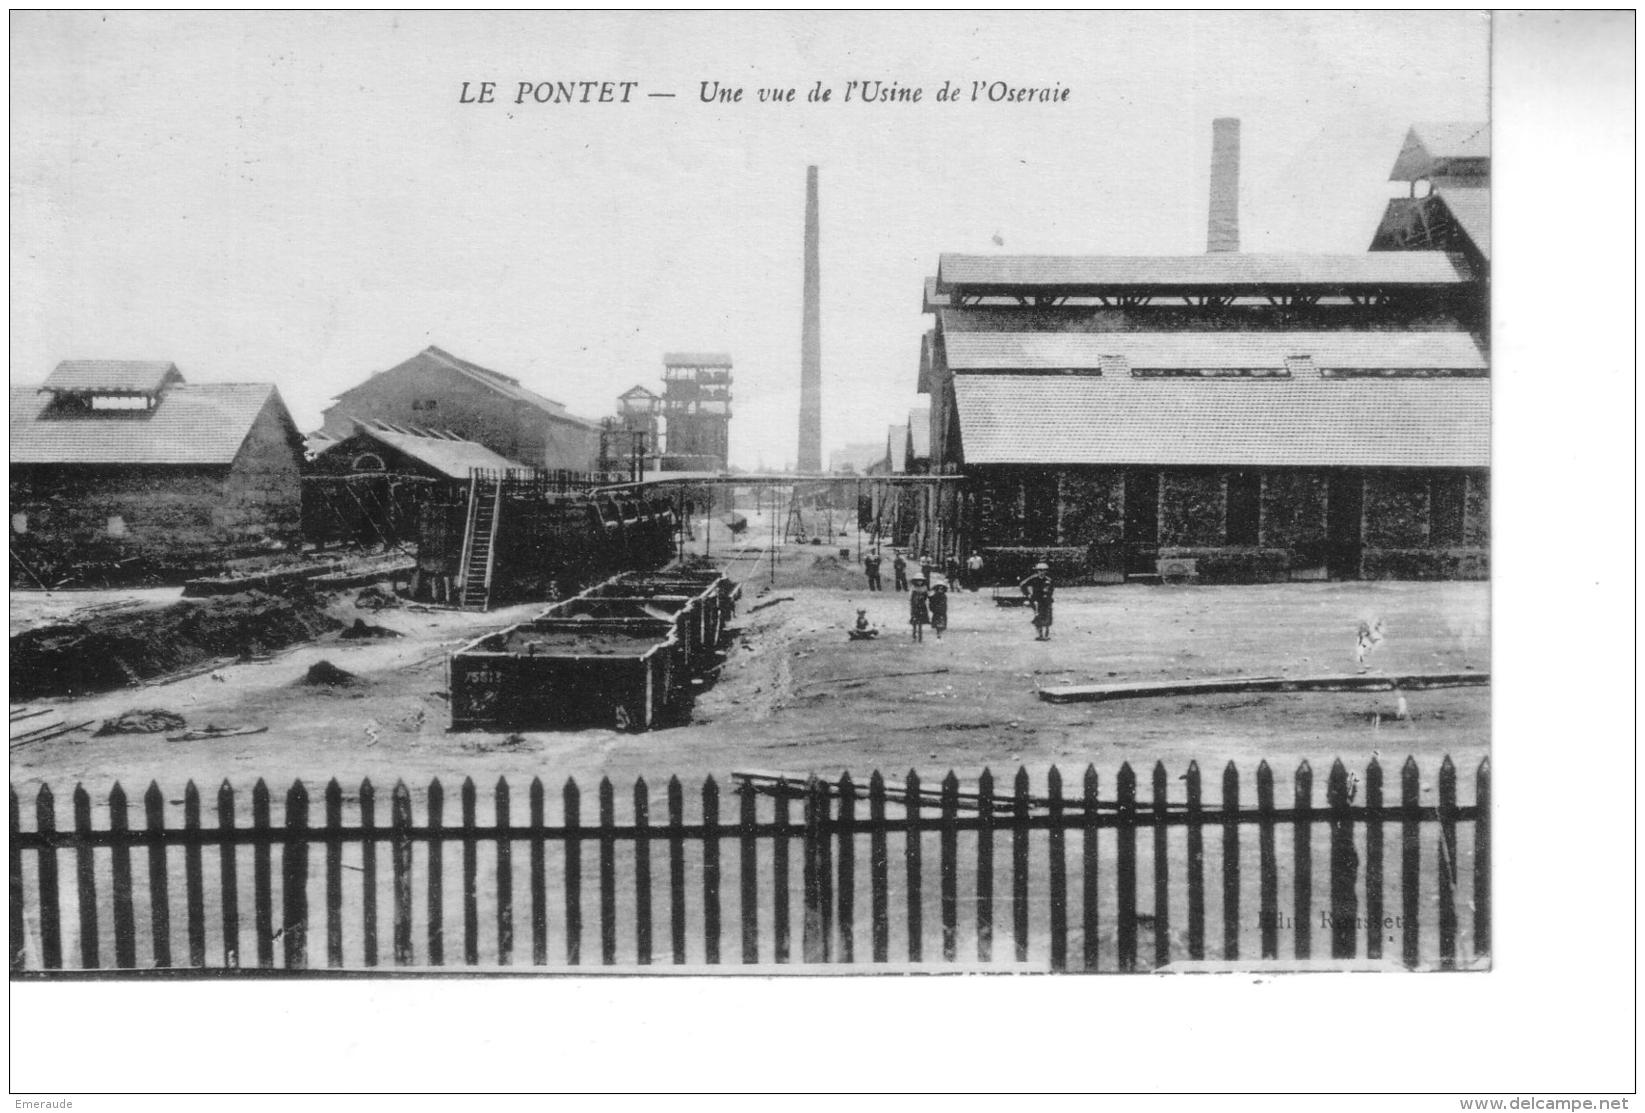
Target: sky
pixel 303 198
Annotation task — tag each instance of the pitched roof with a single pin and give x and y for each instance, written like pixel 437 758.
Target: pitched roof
pixel 896 439
pixel 1224 272
pixel 1429 144
pixel 505 385
pixel 696 359
pixel 193 423
pixel 1303 422
pixel 1470 207
pixel 637 389
pixel 112 376
pixel 446 455
pixel 919 432
pixel 1057 351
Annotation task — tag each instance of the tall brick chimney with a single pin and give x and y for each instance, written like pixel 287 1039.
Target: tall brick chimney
pixel 810 457
pixel 1223 234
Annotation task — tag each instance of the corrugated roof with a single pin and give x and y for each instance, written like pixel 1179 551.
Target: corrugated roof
pixel 200 423
pixel 112 376
pixel 919 432
pixel 1471 208
pixel 1302 422
pixel 696 359
pixel 1223 271
pixel 1057 351
pixel 896 439
pixel 453 458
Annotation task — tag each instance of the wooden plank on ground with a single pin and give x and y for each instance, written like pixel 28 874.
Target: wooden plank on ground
pixel 1217 685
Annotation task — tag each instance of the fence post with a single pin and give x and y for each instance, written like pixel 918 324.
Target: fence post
pixel 539 881
pixel 711 871
pixel 193 878
pixel 574 873
pixel 1230 862
pixel 1373 860
pixel 1410 880
pixel 334 873
pixel 912 858
pixel 811 948
pixel 748 872
pixel 368 871
pixel 14 861
pixel 154 807
pixel 294 878
pixel 1091 892
pixel 400 823
pixel 1344 866
pixel 1302 880
pixel 879 867
pixel 468 797
pixel 1196 864
pixel 1162 870
pixel 642 872
pixel 228 867
pixel 51 929
pixel 86 876
pixel 505 874
pixel 676 868
pixel 1058 868
pixel 1447 865
pixel 847 888
pixel 1126 868
pixel 608 873
pixel 1019 864
pixel 779 878
pixel 948 866
pixel 436 874
pixel 1482 859
pixel 125 925
pixel 1267 864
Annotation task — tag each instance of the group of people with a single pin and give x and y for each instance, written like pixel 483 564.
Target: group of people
pixel 968 576
pixel 928 594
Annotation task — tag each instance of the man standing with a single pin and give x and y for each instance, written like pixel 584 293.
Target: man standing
pixel 973 571
pixel 871 565
pixel 899 570
pixel 1040 592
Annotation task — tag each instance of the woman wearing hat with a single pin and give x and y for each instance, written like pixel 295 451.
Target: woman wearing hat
pixel 1040 591
pixel 919 611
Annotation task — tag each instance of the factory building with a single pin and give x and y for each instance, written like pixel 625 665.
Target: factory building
pixel 1227 416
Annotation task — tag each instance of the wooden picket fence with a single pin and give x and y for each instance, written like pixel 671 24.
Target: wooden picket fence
pixel 1113 927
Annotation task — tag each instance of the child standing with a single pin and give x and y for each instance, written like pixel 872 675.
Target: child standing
pixel 919 611
pixel 939 608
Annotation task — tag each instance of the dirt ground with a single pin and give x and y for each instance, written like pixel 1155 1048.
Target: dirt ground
pixel 796 695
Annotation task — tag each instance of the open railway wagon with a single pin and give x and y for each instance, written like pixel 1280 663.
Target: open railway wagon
pixel 620 653
pixel 583 671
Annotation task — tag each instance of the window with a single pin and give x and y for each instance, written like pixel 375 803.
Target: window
pixel 20 523
pixel 117 526
pixel 369 461
pixel 1244 525
pixel 423 405
pixel 1447 507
